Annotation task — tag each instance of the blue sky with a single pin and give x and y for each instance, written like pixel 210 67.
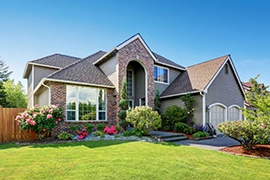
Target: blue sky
pixel 187 32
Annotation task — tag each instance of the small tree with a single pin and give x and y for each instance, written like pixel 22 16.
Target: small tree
pixel 124 105
pixel 157 103
pixel 256 128
pixel 15 95
pixel 189 101
pixel 173 115
pixel 4 75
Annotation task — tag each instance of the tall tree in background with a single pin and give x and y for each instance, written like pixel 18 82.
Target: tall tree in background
pixel 124 105
pixel 4 75
pixel 15 95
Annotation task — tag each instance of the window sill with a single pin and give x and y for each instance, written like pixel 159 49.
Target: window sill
pixel 74 121
pixel 161 82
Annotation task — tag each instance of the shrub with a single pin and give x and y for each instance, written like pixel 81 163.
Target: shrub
pixel 174 114
pixel 89 127
pixel 133 132
pixel 144 118
pixel 110 130
pixel 123 124
pixel 189 130
pixel 74 128
pixel 180 127
pixel 100 127
pixel 128 133
pixel 98 133
pixel 40 119
pixel 64 136
pixel 200 134
pixel 247 133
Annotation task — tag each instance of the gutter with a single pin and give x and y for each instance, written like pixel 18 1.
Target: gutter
pixel 49 91
pixel 202 93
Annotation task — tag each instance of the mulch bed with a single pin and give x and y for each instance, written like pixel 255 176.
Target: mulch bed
pixel 260 150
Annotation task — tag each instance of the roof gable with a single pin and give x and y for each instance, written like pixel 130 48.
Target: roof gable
pixel 157 58
pixel 56 61
pixel 199 77
pixel 83 72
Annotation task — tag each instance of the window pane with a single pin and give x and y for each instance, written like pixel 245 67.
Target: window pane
pixel 129 82
pixel 160 74
pixel 101 116
pixel 71 115
pixel 101 100
pixel 71 98
pixel 155 73
pixel 87 103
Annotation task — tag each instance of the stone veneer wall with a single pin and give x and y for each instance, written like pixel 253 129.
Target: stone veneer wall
pixel 58 96
pixel 135 51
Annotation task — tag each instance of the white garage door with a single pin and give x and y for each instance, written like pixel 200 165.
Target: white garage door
pixel 217 115
pixel 234 113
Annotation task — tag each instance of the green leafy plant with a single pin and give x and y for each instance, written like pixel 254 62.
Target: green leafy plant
pixel 101 126
pixel 189 101
pixel 173 115
pixel 74 128
pixel 128 133
pixel 64 136
pixel 98 133
pixel 143 118
pixel 40 119
pixel 89 127
pixel 181 127
pixel 200 134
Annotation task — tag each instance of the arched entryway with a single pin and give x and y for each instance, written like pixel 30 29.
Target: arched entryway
pixel 136 84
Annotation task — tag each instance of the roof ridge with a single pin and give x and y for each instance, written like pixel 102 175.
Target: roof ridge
pixel 208 61
pixel 94 54
pixel 54 55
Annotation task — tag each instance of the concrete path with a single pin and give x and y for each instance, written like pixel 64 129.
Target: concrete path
pixel 213 144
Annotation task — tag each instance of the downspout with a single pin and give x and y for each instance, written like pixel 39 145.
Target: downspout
pixel 49 92
pixel 203 107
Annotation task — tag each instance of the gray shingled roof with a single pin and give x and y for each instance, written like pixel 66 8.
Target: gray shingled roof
pixel 56 60
pixel 166 61
pixel 195 78
pixel 83 71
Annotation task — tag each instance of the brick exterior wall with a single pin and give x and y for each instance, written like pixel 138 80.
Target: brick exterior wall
pixel 58 96
pixel 135 51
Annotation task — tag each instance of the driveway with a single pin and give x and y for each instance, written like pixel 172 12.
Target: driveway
pixel 214 144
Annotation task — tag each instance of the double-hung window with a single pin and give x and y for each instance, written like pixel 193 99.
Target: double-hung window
pixel 161 74
pixel 85 103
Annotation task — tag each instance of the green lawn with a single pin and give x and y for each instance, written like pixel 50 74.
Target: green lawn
pixel 125 160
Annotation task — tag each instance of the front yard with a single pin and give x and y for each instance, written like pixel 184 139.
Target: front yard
pixel 125 160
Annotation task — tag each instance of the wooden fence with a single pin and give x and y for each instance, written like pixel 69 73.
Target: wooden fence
pixel 9 130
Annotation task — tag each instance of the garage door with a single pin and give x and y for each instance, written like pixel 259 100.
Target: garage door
pixel 234 113
pixel 217 115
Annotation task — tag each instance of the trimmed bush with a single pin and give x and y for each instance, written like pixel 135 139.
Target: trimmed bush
pixel 64 136
pixel 181 127
pixel 200 134
pixel 101 127
pixel 143 118
pixel 173 115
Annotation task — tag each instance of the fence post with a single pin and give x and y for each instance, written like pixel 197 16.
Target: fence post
pixel 1 124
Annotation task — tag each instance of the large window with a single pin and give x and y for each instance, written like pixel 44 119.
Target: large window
pixel 84 103
pixel 161 74
pixel 130 82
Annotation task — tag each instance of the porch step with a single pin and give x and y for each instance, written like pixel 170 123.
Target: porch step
pixel 168 137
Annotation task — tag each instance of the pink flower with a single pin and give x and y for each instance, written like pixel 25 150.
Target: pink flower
pixel 44 129
pixel 34 115
pixel 58 119
pixel 19 122
pixel 18 117
pixel 49 116
pixel 33 123
pixel 28 120
pixel 51 111
pixel 56 122
pixel 36 105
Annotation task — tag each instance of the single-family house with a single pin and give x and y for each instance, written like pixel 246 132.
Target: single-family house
pixel 89 88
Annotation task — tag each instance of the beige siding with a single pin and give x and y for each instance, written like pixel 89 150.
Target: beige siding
pixel 42 98
pixel 109 68
pixel 40 73
pixel 173 74
pixel 198 115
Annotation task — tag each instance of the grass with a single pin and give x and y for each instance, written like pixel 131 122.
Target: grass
pixel 125 160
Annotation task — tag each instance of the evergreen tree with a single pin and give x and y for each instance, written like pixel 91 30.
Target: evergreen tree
pixel 157 103
pixel 4 75
pixel 124 105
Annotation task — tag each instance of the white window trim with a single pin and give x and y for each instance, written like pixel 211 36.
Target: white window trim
pixel 77 107
pixel 168 72
pixel 218 104
pixel 132 81
pixel 240 111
